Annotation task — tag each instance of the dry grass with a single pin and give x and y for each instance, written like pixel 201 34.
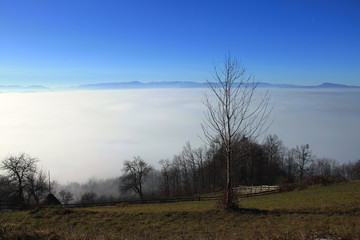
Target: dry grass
pixel 330 211
pixel 341 196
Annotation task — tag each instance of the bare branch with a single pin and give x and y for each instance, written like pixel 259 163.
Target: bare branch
pixel 233 110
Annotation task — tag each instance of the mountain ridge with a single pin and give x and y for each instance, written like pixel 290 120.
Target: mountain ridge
pixel 163 84
pixel 188 84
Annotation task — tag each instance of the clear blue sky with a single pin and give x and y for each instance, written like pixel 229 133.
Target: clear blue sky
pixel 62 43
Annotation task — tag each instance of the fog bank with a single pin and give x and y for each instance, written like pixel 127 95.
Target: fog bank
pixel 82 134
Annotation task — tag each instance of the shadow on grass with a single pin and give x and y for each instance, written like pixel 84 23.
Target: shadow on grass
pixel 241 210
pixel 255 211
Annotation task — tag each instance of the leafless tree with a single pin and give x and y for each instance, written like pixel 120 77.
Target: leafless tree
pixel 165 172
pixel 200 154
pixel 191 160
pixel 6 189
pixel 19 168
pixel 183 166
pixel 176 176
pixel 88 198
pixel 36 186
pixel 356 169
pixel 274 150
pixel 290 164
pixel 350 170
pixel 233 110
pixel 135 173
pixel 304 158
pixel 323 167
pixel 65 196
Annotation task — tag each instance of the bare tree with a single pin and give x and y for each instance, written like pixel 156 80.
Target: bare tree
pixel 36 186
pixel 185 178
pixel 19 168
pixel 135 173
pixel 165 172
pixel 233 111
pixel 65 196
pixel 356 169
pixel 6 189
pixel 88 198
pixel 274 150
pixel 190 158
pixel 323 167
pixel 200 154
pixel 304 158
pixel 290 164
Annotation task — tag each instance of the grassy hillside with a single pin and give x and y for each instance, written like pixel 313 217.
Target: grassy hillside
pixel 336 197
pixel 320 211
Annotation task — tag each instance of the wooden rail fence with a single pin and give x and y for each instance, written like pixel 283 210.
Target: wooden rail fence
pixel 250 190
pixel 241 192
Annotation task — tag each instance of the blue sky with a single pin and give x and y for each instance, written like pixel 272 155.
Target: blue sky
pixel 62 43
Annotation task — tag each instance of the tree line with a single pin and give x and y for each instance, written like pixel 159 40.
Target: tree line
pixel 235 118
pixel 202 170
pixel 194 170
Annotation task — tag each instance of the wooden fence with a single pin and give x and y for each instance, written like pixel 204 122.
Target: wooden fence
pixel 256 190
pixel 241 192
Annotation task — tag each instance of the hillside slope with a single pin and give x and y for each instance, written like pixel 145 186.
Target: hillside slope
pixel 330 212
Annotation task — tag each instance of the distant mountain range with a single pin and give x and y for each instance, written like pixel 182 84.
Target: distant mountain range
pixel 177 84
pixel 141 85
pixel 132 85
pixel 324 85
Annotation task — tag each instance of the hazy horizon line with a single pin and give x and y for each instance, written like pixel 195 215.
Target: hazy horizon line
pixel 160 84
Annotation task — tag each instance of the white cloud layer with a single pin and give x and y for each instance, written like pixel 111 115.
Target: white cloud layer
pixel 82 134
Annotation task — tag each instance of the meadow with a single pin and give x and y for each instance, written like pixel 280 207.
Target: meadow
pixel 317 212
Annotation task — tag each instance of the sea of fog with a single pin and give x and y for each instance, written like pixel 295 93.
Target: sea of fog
pixel 82 134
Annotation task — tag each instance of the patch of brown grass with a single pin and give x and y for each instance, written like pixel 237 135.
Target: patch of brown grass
pixel 320 211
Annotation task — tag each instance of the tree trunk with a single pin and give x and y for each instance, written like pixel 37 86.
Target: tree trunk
pixel 228 198
pixel 140 193
pixel 228 184
pixel 21 192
